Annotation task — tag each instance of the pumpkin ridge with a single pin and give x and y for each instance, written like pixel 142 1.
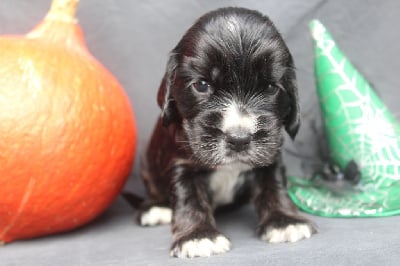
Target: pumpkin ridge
pixel 21 207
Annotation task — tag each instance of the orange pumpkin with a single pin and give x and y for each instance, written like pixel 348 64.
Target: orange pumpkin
pixel 67 132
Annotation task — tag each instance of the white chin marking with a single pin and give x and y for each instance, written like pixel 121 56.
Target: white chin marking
pixel 291 233
pixel 156 216
pixel 203 247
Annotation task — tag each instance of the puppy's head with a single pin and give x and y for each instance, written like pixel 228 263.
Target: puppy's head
pixel 230 83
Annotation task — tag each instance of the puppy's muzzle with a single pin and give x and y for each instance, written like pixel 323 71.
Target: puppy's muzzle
pixel 238 139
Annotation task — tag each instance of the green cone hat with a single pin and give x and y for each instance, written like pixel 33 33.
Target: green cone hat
pixel 358 127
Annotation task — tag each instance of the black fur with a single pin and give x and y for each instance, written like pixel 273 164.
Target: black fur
pixel 244 59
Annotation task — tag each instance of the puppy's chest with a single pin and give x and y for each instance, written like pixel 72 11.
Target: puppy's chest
pixel 226 181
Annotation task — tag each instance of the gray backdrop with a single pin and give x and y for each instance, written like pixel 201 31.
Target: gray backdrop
pixel 132 39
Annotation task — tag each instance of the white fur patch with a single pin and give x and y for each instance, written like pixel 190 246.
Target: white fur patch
pixel 225 181
pixel 291 233
pixel 233 25
pixel 203 247
pixel 233 118
pixel 156 216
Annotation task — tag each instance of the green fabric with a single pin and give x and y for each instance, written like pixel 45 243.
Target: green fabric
pixel 358 127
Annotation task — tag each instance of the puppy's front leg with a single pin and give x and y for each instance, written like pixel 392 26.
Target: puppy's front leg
pixel 279 218
pixel 193 225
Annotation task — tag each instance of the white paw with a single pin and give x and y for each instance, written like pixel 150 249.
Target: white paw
pixel 155 216
pixel 291 233
pixel 203 247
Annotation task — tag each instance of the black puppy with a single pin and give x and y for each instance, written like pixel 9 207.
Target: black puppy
pixel 228 91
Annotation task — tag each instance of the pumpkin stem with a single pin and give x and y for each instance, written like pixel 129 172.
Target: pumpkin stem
pixel 63 10
pixel 60 24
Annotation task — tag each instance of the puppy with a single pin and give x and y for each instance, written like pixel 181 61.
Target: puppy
pixel 228 92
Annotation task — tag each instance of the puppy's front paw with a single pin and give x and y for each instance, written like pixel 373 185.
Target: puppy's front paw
pixel 200 247
pixel 284 228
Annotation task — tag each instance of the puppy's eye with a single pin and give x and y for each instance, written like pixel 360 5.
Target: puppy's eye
pixel 272 89
pixel 202 86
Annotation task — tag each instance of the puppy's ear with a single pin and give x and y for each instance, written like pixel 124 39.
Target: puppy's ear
pixel 292 118
pixel 169 112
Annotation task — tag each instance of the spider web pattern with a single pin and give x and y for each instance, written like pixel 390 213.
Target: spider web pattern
pixel 358 126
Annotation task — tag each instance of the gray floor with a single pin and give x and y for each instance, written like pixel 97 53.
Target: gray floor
pixel 132 39
pixel 114 239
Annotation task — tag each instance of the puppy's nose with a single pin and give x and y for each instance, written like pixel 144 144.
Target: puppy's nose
pixel 238 140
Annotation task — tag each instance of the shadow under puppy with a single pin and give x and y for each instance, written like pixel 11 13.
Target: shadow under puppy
pixel 228 92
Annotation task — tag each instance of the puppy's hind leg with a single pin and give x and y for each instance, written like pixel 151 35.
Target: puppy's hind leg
pixel 149 212
pixel 154 213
